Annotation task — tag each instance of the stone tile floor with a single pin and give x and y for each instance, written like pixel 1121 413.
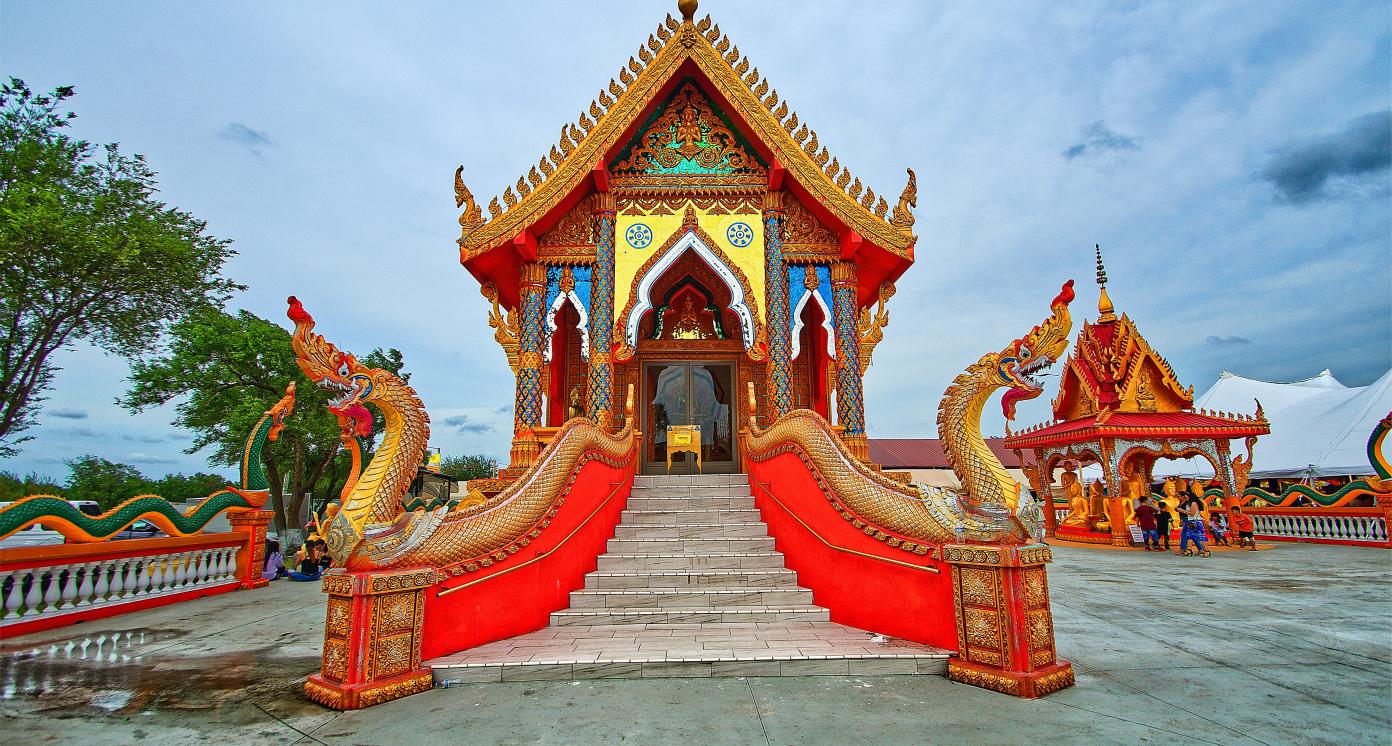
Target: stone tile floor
pixel 1289 646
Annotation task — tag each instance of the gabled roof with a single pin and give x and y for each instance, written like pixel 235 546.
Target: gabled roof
pixel 586 146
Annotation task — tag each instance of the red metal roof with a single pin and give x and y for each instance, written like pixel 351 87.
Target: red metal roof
pixel 1139 424
pixel 927 453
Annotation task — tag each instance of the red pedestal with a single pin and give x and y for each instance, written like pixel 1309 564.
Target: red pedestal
pixel 1005 629
pixel 372 636
pixel 251 558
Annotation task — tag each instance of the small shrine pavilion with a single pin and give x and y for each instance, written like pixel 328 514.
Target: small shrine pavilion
pixel 688 234
pixel 1121 407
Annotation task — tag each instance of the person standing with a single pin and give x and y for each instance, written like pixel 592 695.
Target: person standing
pixel 1162 525
pixel 1218 526
pixel 1193 530
pixel 1146 519
pixel 1242 524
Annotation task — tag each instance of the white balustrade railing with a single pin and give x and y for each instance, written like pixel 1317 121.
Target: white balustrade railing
pixel 1313 524
pixel 82 584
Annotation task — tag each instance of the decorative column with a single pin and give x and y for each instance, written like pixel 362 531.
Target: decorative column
pixel 601 372
pixel 780 385
pixel 372 638
pixel 1005 628
pixel 850 401
pixel 527 409
pixel 251 556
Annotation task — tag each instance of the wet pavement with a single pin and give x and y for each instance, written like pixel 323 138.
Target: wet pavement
pixel 1292 645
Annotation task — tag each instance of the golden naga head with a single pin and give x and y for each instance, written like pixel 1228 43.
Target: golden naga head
pixel 1034 352
pixel 336 372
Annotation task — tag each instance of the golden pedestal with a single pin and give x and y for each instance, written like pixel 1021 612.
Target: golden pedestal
pixel 1005 629
pixel 372 638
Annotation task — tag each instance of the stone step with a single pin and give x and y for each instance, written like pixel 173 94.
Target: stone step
pixel 690 598
pixel 689 650
pixel 700 562
pixel 647 502
pixel 699 480
pixel 692 491
pixel 642 516
pixel 688 546
pixel 693 615
pixel 690 531
pixel 691 578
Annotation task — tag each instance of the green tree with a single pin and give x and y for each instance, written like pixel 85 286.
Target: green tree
pixel 182 488
pixel 228 370
pixel 14 487
pixel 87 252
pixel 104 482
pixel 464 468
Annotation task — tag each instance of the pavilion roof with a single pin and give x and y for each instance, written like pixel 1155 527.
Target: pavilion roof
pixel 674 49
pixel 1137 425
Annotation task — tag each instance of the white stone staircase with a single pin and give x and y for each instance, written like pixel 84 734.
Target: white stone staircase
pixel 690 586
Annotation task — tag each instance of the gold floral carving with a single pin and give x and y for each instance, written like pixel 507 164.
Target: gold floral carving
pixel 1053 682
pixel 392 655
pixel 1036 587
pixel 338 616
pixel 983 631
pixel 978 587
pixel 574 230
pixel 1039 632
pixel 689 129
pixel 802 230
pixel 870 326
pixel 396 690
pixel 505 325
pixel 718 204
pixel 396 611
pixel 984 679
pixel 335 663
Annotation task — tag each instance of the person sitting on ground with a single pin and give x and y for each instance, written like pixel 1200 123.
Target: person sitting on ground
pixel 324 559
pixel 1193 530
pixel 309 569
pixel 1242 524
pixel 1218 526
pixel 275 563
pixel 1162 524
pixel 1145 518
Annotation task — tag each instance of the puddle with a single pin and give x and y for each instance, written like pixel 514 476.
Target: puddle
pixel 124 674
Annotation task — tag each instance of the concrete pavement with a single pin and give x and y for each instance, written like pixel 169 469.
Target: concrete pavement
pixel 1291 645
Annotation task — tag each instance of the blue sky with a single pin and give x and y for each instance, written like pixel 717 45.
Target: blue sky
pixel 1231 158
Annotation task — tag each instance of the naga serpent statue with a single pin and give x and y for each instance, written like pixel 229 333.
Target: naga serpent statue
pixel 60 515
pixel 373 531
pixel 988 507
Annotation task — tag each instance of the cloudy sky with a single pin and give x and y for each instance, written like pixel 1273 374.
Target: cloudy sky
pixel 1231 158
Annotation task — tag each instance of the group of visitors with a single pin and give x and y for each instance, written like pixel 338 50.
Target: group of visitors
pixel 311 561
pixel 1155 519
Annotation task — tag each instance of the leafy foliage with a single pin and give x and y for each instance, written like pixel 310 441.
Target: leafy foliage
pixel 14 487
pixel 109 483
pixel 87 252
pixel 464 468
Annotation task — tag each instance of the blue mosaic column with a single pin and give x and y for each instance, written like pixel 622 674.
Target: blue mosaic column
pixel 850 401
pixel 780 387
pixel 601 382
pixel 528 404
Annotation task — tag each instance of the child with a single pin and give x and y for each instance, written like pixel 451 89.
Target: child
pixel 1162 524
pixel 1218 526
pixel 1193 530
pixel 1145 518
pixel 1242 523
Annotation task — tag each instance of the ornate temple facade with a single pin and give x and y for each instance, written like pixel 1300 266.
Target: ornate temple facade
pixel 687 235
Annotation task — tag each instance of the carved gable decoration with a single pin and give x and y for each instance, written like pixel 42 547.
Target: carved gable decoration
pixel 688 136
pixel 573 230
pixel 802 231
pixel 1112 367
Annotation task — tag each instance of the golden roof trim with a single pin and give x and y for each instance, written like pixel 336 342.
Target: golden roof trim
pixel 581 144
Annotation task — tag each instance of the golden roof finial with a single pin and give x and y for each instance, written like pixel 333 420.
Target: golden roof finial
pixel 687 8
pixel 1105 312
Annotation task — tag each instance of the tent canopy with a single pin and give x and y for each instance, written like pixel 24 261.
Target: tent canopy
pixel 1319 426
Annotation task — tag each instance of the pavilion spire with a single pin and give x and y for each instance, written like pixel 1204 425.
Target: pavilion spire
pixel 1105 311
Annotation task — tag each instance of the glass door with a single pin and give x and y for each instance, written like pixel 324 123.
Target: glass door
pixel 686 394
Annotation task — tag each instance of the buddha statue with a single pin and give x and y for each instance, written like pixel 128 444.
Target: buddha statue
pixel 1077 502
pixel 1097 507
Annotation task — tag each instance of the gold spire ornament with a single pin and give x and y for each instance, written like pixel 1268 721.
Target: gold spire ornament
pixel 1105 311
pixel 687 8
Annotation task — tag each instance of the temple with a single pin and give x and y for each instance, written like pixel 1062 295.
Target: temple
pixel 688 235
pixel 1120 407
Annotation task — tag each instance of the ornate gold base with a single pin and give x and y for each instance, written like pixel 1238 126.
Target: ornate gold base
pixel 1036 683
pixel 357 696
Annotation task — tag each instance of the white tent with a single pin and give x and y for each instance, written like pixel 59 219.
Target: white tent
pixel 1319 426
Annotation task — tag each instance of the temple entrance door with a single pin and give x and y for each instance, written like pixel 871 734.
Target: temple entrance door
pixel 689 393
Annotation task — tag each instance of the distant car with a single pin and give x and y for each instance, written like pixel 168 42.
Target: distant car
pixel 139 530
pixel 32 536
pixel 88 507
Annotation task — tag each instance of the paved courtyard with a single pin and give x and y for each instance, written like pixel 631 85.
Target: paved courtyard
pixel 1291 645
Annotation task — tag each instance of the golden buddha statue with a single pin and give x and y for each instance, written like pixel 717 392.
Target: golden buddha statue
pixel 688 324
pixel 1077 503
pixel 1097 507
